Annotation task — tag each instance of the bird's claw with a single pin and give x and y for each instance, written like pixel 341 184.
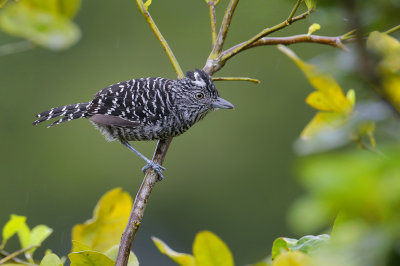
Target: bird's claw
pixel 156 167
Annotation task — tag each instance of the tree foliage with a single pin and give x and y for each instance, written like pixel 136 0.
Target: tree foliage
pixel 352 198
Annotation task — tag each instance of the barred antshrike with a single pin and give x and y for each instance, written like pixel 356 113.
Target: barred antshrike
pixel 145 109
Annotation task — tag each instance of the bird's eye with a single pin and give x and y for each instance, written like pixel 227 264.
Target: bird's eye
pixel 199 95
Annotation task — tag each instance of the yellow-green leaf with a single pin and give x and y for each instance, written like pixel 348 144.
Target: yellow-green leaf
pixel 295 258
pixel 388 47
pixel 330 96
pixel 313 28
pixel 39 25
pixel 147 4
pixel 323 121
pixel 210 250
pixel 110 216
pixel 182 259
pixel 12 227
pixel 310 4
pixel 24 235
pixel 90 258
pixel 112 253
pixel 51 260
pixel 79 246
pixel 39 233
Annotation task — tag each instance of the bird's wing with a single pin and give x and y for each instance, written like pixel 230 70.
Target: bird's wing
pixel 128 100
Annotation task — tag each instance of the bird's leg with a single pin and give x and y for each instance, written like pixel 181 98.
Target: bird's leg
pixel 150 164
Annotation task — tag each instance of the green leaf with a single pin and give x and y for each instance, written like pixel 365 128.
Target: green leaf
pixel 67 8
pixel 281 244
pixel 311 4
pixel 306 244
pixel 90 258
pixel 51 260
pixel 294 258
pixel 43 27
pixel 112 253
pixel 180 258
pixel 110 216
pixel 24 235
pixel 79 246
pixel 37 235
pixel 210 250
pixel 12 227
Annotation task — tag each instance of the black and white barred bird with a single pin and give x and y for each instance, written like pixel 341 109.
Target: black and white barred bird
pixel 145 109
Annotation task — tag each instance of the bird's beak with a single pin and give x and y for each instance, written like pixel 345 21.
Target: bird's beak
pixel 222 104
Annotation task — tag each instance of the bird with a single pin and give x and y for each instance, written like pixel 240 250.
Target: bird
pixel 145 109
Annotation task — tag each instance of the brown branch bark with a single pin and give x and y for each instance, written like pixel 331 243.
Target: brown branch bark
pixel 140 204
pixel 327 40
pixel 216 61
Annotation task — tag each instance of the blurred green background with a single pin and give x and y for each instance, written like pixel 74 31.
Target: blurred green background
pixel 231 173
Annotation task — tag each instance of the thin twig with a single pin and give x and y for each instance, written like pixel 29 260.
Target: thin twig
pixel 230 52
pixel 13 255
pixel 296 6
pixel 236 79
pixel 160 38
pixel 332 41
pixel 219 43
pixel 396 28
pixel 215 64
pixel 213 21
pixel 151 176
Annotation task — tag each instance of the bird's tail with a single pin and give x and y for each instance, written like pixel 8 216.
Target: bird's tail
pixel 67 113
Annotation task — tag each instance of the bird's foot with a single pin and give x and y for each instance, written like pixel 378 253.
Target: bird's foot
pixel 156 167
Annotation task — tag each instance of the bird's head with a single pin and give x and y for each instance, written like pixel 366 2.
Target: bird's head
pixel 199 94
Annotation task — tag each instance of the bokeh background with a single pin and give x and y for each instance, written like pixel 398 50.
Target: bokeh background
pixel 231 174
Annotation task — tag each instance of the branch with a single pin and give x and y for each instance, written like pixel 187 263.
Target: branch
pixel 296 6
pixel 226 22
pixel 215 64
pixel 211 7
pixel 235 79
pixel 139 205
pixel 396 28
pixel 151 176
pixel 327 40
pixel 13 255
pixel 160 38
